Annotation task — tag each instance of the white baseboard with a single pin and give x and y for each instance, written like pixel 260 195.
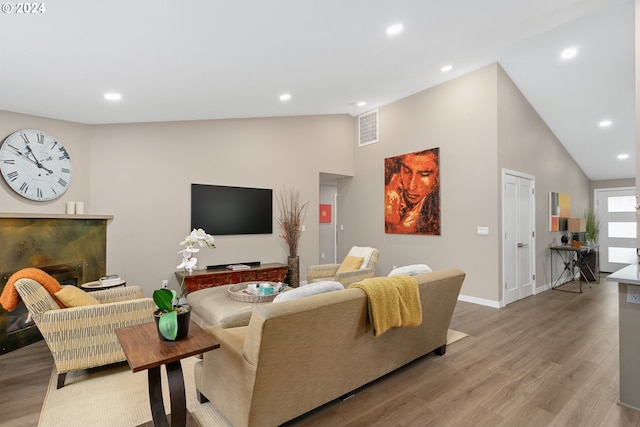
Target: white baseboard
pixel 480 301
pixel 496 304
pixel 542 288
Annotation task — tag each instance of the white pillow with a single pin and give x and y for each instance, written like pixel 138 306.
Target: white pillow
pixel 364 252
pixel 308 290
pixel 411 270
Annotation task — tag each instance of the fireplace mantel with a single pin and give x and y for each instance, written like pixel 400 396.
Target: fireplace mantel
pixel 52 216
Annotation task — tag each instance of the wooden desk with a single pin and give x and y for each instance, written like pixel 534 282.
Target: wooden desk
pixel 202 279
pixel 144 350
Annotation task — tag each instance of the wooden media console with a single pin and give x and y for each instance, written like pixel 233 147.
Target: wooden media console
pixel 202 279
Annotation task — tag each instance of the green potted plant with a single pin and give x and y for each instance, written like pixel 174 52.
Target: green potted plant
pixel 171 317
pixel 592 227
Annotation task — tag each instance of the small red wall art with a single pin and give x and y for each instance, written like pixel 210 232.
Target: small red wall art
pixel 325 213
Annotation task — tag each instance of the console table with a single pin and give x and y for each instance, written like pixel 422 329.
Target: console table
pixel 581 261
pixel 202 279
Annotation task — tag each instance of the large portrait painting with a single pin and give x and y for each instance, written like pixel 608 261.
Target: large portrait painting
pixel 412 193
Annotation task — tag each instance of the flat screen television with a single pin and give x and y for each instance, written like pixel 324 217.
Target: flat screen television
pixel 221 210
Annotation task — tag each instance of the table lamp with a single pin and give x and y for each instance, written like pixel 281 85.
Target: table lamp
pixel 576 226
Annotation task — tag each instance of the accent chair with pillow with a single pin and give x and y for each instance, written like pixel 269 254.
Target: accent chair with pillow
pixel 81 334
pixel 360 263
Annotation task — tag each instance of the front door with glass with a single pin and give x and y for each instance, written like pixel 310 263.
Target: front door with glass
pixel 616 208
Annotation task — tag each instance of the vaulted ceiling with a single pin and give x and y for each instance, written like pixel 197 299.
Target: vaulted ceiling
pixel 206 59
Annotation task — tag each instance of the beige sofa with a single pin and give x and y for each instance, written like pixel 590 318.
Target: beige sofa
pixel 297 355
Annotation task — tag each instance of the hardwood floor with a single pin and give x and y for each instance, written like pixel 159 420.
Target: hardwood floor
pixel 547 360
pixel 23 384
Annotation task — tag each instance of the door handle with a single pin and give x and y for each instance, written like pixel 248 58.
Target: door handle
pixel 522 245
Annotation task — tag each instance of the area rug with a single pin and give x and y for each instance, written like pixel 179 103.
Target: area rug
pixel 114 396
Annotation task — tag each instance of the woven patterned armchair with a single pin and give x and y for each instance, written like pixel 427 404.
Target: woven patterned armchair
pixel 317 273
pixel 84 337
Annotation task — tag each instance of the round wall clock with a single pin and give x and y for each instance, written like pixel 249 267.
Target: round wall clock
pixel 35 165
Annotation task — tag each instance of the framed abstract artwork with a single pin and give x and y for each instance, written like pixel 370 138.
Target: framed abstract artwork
pixel 559 211
pixel 412 193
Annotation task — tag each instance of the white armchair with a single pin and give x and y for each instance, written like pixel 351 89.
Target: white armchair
pixel 333 272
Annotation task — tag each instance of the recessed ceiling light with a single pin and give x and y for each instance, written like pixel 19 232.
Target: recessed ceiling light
pixel 446 68
pixel 394 29
pixel 112 96
pixel 623 156
pixel 361 104
pixel 285 97
pixel 605 123
pixel 569 53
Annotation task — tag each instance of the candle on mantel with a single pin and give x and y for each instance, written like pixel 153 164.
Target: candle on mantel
pixel 71 208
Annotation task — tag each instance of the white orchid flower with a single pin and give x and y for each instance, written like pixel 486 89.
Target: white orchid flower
pixel 202 237
pixel 188 263
pixel 199 236
pixel 189 250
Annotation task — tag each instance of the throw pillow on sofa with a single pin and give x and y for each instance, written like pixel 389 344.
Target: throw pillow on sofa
pixel 411 270
pixel 308 290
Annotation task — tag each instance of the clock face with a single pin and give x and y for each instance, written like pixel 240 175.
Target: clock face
pixel 35 165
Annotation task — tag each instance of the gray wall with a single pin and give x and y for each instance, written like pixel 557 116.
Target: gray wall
pixel 141 173
pixel 327 232
pixel 527 145
pixel 482 123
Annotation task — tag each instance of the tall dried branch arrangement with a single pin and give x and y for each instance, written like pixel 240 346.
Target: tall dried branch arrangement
pixel 292 212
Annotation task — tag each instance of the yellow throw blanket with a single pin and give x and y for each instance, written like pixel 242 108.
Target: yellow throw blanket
pixel 393 302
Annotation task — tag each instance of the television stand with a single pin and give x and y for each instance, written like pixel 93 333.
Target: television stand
pixel 203 279
pixel 218 266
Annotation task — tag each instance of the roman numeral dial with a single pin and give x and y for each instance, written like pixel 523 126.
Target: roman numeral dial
pixel 35 165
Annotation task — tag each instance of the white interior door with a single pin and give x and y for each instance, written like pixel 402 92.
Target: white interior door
pixel 616 208
pixel 518 252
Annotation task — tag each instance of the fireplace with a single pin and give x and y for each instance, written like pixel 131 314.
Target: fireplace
pixel 71 248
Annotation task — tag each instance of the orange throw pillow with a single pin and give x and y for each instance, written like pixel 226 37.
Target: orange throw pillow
pixel 10 297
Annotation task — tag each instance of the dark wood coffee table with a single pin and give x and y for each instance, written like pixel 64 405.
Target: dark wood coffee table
pixel 144 350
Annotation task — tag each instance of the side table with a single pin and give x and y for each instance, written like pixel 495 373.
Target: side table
pixel 144 350
pixel 98 286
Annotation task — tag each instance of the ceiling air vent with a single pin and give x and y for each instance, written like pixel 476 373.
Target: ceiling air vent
pixel 368 128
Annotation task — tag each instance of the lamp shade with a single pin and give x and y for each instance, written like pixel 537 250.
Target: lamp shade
pixel 577 225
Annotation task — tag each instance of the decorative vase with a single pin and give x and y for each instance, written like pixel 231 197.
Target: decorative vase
pixel 183 322
pixel 293 275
